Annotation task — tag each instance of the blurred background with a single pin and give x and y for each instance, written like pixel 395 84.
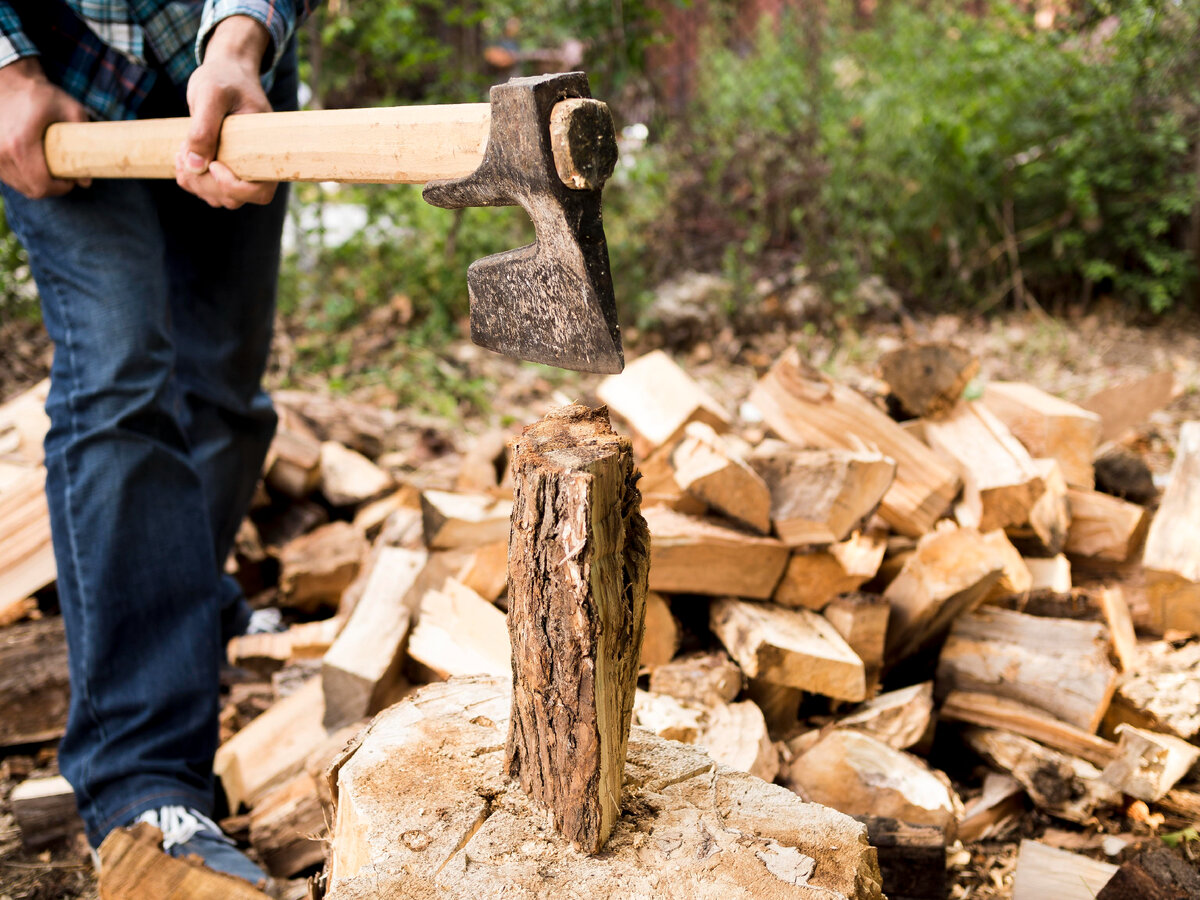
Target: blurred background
pixel 786 164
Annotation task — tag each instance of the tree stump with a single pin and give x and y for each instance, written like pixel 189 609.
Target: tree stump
pixel 578 558
pixel 422 809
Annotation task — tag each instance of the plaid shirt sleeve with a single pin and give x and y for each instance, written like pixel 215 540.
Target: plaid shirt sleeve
pixel 13 43
pixel 279 17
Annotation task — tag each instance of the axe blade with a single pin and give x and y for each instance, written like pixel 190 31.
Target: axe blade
pixel 552 301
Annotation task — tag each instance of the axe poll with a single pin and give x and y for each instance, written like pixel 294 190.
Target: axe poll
pixel 541 143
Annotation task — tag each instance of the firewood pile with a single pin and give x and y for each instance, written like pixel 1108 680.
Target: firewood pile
pixel 848 589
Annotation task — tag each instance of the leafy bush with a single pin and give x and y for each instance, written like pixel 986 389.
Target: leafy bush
pixel 968 160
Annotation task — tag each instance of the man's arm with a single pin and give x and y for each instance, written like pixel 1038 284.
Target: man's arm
pixel 29 104
pixel 238 41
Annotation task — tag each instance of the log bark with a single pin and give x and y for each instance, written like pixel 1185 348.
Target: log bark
pixel 928 379
pixel 1153 875
pixel 33 682
pixel 912 858
pixel 44 810
pixel 579 557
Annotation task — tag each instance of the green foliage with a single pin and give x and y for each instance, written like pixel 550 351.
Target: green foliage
pixel 960 157
pixel 17 294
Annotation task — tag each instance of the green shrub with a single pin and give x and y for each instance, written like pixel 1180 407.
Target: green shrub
pixel 959 157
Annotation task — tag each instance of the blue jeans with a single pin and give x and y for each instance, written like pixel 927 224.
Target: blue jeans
pixel 160 309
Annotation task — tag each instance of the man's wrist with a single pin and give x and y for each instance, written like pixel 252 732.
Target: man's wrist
pixel 241 38
pixel 23 70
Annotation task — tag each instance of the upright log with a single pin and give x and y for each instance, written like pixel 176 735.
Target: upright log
pixel 579 557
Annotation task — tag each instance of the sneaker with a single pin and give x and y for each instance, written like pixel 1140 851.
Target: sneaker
pixel 186 831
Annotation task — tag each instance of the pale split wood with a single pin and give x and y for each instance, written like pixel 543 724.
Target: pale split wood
pixel 661 639
pixel 24 424
pixel 901 718
pixel 705 678
pixel 690 555
pixel 862 620
pixel 1163 692
pixel 457 632
pixel 658 399
pixel 1044 871
pixel 1045 533
pixel 287 827
pixel 1172 554
pixel 579 556
pixel 993 711
pixel 26 553
pixel 793 647
pixel 348 478
pixel 713 468
pixel 317 567
pixel 1125 406
pixel 455 519
pixel 1060 666
pixel 1000 482
pixel 807 409
pixel 1120 627
pixel 1104 527
pixel 951 572
pixel 815 578
pixel 1051 573
pixel 1049 426
pixel 1147 764
pixel 133 866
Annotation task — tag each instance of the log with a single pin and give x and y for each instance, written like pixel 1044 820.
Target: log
pixel 1000 482
pixel 1049 573
pixel 457 632
pixel 707 679
pixel 951 572
pixel 821 496
pixel 484 570
pixel 994 811
pixel 1120 628
pixel 485 465
pixel 133 866
pixel 316 568
pixel 862 620
pixel 1062 785
pixel 661 638
pixel 360 426
pixel 1171 560
pixel 1045 534
pixel 928 378
pixel 422 808
pixel 659 487
pixel 779 703
pixel 293 463
pixel 1104 527
pixel 579 557
pixel 793 647
pixel 1048 426
pixel 1044 871
pixel 24 424
pixel 1125 406
pixel 712 468
pixel 287 827
pixel 900 718
pixel 33 682
pixel 856 774
pixel 991 711
pixel 26 554
pixel 658 400
pixel 1163 692
pixel 1059 666
pixel 912 858
pixel 453 520
pixel 364 667
pixel 1153 875
pixel 44 810
pixel 689 555
pixel 272 748
pixel 1147 764
pixel 348 478
pixel 813 579
pixel 1124 473
pixel 808 410
pixel 736 736
pixel 669 718
pixel 266 652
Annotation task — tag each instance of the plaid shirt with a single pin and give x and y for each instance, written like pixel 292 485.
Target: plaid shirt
pixel 105 52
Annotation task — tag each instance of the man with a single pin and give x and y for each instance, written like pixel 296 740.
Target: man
pixel 160 303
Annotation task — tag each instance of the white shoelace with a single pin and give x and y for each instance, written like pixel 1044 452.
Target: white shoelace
pixel 179 824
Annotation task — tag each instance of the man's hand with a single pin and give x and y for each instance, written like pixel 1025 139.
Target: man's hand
pixel 227 83
pixel 29 104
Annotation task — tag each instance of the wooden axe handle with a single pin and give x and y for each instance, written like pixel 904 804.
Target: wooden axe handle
pixel 408 145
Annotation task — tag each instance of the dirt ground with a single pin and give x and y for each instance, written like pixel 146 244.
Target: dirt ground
pixel 1072 357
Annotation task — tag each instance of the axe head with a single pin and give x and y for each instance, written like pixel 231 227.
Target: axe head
pixel 552 301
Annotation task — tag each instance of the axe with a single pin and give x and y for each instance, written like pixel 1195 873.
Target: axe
pixel 541 143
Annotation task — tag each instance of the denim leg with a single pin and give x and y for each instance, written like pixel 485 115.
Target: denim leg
pixel 222 268
pixel 137 573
